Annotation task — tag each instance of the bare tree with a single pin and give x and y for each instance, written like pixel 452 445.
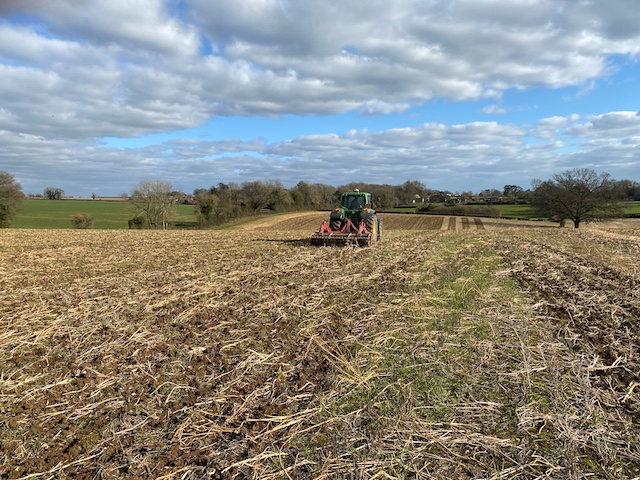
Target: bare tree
pixel 152 200
pixel 579 195
pixel 11 197
pixel 53 193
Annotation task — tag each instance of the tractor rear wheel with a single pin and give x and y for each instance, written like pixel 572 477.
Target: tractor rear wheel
pixel 372 226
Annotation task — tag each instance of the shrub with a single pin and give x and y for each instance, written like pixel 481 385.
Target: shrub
pixel 10 198
pixel 82 221
pixel 137 223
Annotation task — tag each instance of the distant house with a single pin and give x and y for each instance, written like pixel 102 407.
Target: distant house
pixel 437 198
pixel 184 199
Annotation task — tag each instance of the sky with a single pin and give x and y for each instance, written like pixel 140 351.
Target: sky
pixel 461 95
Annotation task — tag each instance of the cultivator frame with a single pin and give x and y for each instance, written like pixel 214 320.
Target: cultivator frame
pixel 349 234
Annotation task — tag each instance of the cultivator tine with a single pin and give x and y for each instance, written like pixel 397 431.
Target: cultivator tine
pixel 328 240
pixel 340 239
pixel 365 240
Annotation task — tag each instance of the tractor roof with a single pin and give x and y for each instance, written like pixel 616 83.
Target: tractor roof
pixel 355 193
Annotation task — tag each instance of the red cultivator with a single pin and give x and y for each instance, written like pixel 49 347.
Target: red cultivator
pixel 348 234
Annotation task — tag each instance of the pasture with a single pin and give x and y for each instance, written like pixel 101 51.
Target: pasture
pixel 453 349
pixel 108 215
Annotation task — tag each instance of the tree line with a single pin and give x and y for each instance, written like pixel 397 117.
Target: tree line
pixel 578 195
pixel 222 203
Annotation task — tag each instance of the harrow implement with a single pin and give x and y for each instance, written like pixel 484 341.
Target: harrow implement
pixel 349 234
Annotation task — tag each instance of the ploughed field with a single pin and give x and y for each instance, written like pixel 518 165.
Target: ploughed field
pixel 464 352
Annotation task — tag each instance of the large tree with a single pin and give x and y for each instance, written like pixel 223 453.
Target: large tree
pixel 207 207
pixel 630 189
pixel 313 195
pixel 579 195
pixel 10 198
pixel 152 200
pixel 511 190
pixel 257 195
pixel 53 193
pixel 410 190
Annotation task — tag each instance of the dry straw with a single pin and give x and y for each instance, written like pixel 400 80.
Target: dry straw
pixel 246 353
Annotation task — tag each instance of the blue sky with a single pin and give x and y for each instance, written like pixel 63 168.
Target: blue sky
pixel 461 95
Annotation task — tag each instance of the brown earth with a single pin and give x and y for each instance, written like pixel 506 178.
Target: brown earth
pixel 234 353
pixel 309 222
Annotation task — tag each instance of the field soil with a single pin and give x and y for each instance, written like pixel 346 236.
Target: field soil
pixel 301 222
pixel 455 348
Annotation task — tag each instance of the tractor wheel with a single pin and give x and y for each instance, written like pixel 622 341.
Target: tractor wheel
pixel 335 225
pixel 372 226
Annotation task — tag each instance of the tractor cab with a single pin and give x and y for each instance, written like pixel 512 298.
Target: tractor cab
pixel 355 201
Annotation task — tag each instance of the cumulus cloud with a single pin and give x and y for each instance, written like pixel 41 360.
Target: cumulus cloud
pixel 129 24
pixel 478 153
pixel 73 72
pixel 273 57
pixel 493 110
pixel 608 125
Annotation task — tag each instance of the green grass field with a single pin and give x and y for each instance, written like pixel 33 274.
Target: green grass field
pixel 519 211
pixel 632 208
pixel 108 215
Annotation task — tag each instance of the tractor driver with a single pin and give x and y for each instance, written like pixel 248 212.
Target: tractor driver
pixel 357 203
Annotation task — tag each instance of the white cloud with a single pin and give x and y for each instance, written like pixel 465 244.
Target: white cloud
pixel 608 125
pixel 131 24
pixel 493 110
pixel 468 156
pixel 74 72
pixel 273 57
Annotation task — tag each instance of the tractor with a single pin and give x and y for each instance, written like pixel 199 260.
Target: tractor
pixel 354 222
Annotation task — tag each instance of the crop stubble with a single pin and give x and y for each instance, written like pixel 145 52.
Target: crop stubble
pixel 587 284
pixel 247 353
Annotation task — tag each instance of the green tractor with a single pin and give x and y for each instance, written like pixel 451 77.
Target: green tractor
pixel 354 222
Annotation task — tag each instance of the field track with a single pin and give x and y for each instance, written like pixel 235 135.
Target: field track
pixel 453 349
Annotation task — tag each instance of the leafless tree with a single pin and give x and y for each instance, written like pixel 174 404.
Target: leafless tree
pixel 53 193
pixel 580 195
pixel 152 200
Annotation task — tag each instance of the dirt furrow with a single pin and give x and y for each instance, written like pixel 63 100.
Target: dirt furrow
pixel 596 305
